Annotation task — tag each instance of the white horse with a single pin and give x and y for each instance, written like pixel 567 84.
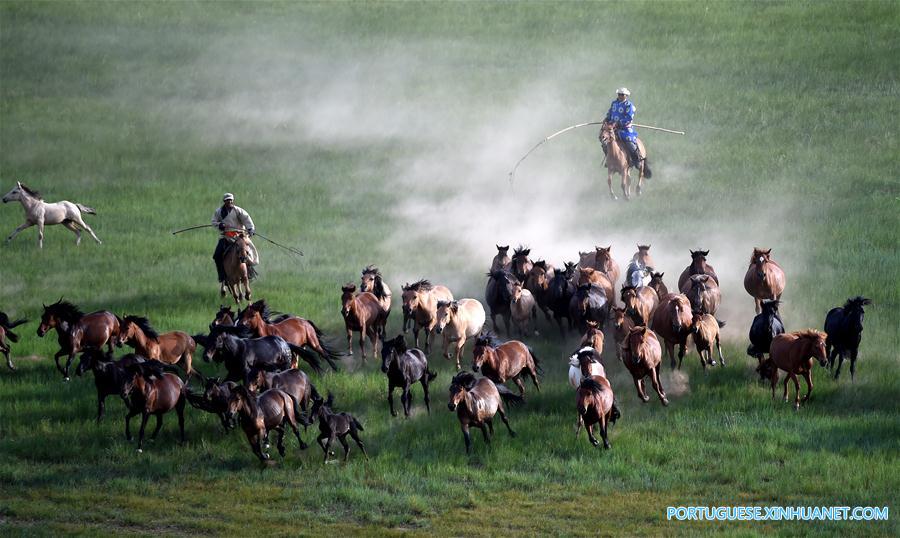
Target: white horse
pixel 38 213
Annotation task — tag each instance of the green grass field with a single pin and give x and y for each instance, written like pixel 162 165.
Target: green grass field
pixel 383 133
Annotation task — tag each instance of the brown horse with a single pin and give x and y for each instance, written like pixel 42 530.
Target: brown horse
pixel 593 337
pixel 501 362
pixel 703 292
pixel 501 260
pixel 589 275
pixel 622 325
pixel 672 322
pixel 149 393
pixel 258 415
pixel 538 283
pixel 523 309
pixel 705 330
pixel 294 382
pixel 76 331
pixel 174 347
pixel 764 278
pixel 643 257
pixel 604 262
pixel 420 301
pixel 236 262
pixel 656 282
pixel 6 327
pixel 596 404
pixel 225 316
pixel 372 281
pixel 617 161
pixel 698 266
pixel 520 265
pixel 476 401
pixel 642 355
pixel 639 303
pixel 298 331
pixel 794 353
pixel 362 313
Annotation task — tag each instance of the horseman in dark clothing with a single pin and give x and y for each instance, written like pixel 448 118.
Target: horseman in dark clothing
pixel 231 220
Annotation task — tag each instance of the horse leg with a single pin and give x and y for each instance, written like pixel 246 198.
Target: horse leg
pixel 9 363
pixel 809 384
pixel 71 226
pixel 355 435
pixel 484 433
pixel 459 350
pixel 625 183
pixel 506 323
pixel 681 352
pixel 604 432
pixel 853 355
pixel 144 416
pixel 466 437
pixel 786 379
pixel 445 345
pixel 346 446
pixel 280 441
pixel 159 421
pixel 391 398
pixel 101 407
pixel 293 423
pixel 719 348
pixel 840 355
pixel 505 420
pixel 518 381
pixel 128 416
pixel 408 396
pixel 641 392
pixel 532 372
pixel 670 351
pixel 796 391
pixel 757 304
pixel 657 385
pixel 80 221
pixel 590 431
pixel 609 176
pixel 179 410
pixel 578 424
pixel 69 364
pixel 17 230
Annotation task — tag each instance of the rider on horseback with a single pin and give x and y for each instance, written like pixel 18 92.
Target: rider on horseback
pixel 621 114
pixel 231 221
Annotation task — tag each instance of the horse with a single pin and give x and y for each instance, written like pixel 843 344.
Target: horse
pixel 538 283
pixel 672 322
pixel 420 301
pixel 373 282
pixel 271 410
pixel 150 393
pixel 498 296
pixel 617 162
pixel 363 313
pixel 457 321
pixel 240 353
pixel 110 376
pixel 588 275
pixel 656 282
pixel 643 257
pixel 215 400
pixel 637 274
pixel 501 261
pixel 604 262
pixel 6 333
pixel 764 278
pixel 236 262
pixel 77 331
pixel 794 353
pixel 404 367
pixel 589 304
pixel 476 401
pixel 642 356
pixel 225 316
pixel 595 402
pixel 705 330
pixel 844 327
pixel 698 266
pixel 295 330
pixel 501 362
pixel 294 382
pixel 703 292
pixel 520 265
pixel 173 347
pixel 336 426
pixel 559 294
pixel 40 213
pixel 766 326
pixel 585 362
pixel 593 337
pixel 639 303
pixel 523 308
pixel 622 325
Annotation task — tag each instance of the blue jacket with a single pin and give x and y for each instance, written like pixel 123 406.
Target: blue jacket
pixel 622 114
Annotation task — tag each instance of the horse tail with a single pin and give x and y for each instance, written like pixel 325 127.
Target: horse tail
pixel 720 322
pixel 647 172
pixel 356 423
pixel 4 321
pixel 614 413
pixel 331 353
pixel 86 209
pixel 431 375
pixel 316 329
pixel 307 356
pixel 537 363
pixel 507 395
pixel 13 337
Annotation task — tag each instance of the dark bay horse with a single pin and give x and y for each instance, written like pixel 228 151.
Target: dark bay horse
pixel 294 382
pixel 595 402
pixel 295 330
pixel 520 264
pixel 110 375
pixel 240 353
pixel 642 356
pixel 373 282
pixel 77 331
pixel 336 426
pixel 794 353
pixel 589 304
pixel 404 367
pixel 766 326
pixel 703 293
pixel 225 316
pixel 559 295
pixel 173 347
pixel 153 394
pixel 501 260
pixel 764 278
pixel 698 266
pixel 420 300
pixel 501 362
pixel 259 415
pixel 844 327
pixel 672 322
pixel 497 295
pixel 656 282
pixel 6 333
pixel 476 401
pixel 362 313
pixel 215 400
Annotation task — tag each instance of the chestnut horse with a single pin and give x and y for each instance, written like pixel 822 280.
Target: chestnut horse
pixel 643 257
pixel 420 301
pixel 148 394
pixel 372 281
pixel 764 279
pixel 295 330
pixel 458 321
pixel 595 402
pixel 501 362
pixel 604 262
pixel 642 355
pixel 236 262
pixel 589 275
pixel 794 353
pixel 538 283
pixel 77 331
pixel 672 322
pixel 174 347
pixel 6 328
pixel 365 314
pixel 593 337
pixel 656 282
pixel 639 303
pixel 703 293
pixel 476 401
pixel 698 266
pixel 622 325
pixel 617 162
pixel 705 330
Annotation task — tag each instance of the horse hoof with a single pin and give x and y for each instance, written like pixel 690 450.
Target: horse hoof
pixel 665 402
pixel 66 379
pixel 140 451
pixel 512 434
pixel 712 363
pixel 645 399
pixel 613 196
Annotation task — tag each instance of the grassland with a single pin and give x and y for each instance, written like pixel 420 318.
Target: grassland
pixel 356 132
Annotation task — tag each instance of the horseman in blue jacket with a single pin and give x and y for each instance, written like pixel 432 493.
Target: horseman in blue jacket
pixel 621 114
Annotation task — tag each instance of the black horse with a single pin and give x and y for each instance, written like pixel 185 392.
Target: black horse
pixel 109 375
pixel 403 368
pixel 214 399
pixel 766 326
pixel 240 354
pixel 498 294
pixel 589 303
pixel 559 294
pixel 844 327
pixel 335 426
pixel 6 327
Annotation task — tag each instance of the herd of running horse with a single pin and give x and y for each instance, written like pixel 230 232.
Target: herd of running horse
pixel 264 389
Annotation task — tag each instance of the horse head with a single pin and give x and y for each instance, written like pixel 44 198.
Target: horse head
pixel 390 349
pixel 347 297
pixel 680 314
pixel 445 312
pixel 484 349
pixel 854 313
pixel 370 275
pixel 618 316
pixel 521 265
pixel 759 259
pixel 603 257
pixel 517 291
pixel 607 133
pixel 699 286
pixel 698 260
pixel 459 387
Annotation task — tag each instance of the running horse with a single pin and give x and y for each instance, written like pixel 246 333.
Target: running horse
pixel 238 271
pixel 764 278
pixel 6 327
pixel 295 330
pixel 77 331
pixel 173 347
pixel 617 162
pixel 372 281
pixel 40 213
pixel 420 300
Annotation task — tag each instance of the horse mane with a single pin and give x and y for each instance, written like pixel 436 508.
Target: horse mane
pixel 349 287
pixel 30 191
pixel 540 263
pixel 262 307
pixel 371 270
pixel 145 326
pixel 811 333
pixel 521 250
pixel 399 344
pixel 591 385
pixel 235 330
pixel 65 311
pixel 421 285
pixel 643 247
pixel 770 303
pixel 696 254
pixel 466 380
pixel 249 398
pixel 488 338
pixel 856 302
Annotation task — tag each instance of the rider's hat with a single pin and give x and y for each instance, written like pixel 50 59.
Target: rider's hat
pixel 228 196
pixel 623 90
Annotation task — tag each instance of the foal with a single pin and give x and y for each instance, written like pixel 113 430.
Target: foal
pixel 109 376
pixel 705 329
pixel 294 382
pixel 362 313
pixel 336 426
